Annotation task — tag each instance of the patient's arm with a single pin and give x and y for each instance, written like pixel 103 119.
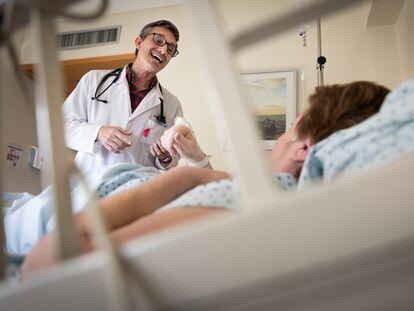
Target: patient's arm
pixel 126 208
pixel 123 208
pixel 163 220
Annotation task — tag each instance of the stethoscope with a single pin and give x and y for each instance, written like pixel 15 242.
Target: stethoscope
pixel 160 118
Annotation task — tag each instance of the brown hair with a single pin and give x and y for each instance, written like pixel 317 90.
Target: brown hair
pixel 339 106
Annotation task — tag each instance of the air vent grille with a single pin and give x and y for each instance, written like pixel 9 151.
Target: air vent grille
pixel 88 38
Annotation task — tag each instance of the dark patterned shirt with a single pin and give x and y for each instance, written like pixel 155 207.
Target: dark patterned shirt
pixel 135 95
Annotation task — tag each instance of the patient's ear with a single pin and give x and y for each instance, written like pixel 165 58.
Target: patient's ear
pixel 302 149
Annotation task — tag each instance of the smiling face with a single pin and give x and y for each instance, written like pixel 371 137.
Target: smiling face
pixel 151 57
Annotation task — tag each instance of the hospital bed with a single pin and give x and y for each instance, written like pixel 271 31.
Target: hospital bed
pixel 344 246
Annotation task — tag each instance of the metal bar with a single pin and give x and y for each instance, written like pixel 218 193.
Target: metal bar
pixel 116 271
pixel 279 24
pixel 230 107
pixel 51 138
pixel 319 67
pixel 3 247
pixel 4 25
pixel 2 232
pixel 318 26
pixel 49 98
pixel 21 12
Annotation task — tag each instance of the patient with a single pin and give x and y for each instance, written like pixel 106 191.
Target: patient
pixel 130 214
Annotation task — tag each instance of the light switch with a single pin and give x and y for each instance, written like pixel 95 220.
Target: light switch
pixel 14 155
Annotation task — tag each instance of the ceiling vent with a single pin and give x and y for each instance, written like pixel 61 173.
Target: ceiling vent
pixel 88 38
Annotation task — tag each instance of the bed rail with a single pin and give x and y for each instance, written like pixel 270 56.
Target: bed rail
pixel 333 248
pixel 263 230
pixel 50 131
pixel 230 106
pixel 226 98
pixel 279 24
pixel 15 14
pixel 49 97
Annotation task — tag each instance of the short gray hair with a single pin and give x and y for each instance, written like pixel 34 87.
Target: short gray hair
pixel 146 30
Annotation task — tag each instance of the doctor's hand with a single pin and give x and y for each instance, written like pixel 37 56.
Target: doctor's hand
pixel 158 151
pixel 114 138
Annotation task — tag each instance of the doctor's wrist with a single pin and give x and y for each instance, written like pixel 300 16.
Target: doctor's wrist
pixel 166 160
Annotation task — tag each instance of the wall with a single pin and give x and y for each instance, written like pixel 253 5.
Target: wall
pixel 353 52
pixel 351 49
pixel 405 39
pixel 17 126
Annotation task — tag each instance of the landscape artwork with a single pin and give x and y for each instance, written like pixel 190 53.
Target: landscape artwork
pixel 273 95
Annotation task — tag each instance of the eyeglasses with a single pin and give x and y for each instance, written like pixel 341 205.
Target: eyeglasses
pixel 160 40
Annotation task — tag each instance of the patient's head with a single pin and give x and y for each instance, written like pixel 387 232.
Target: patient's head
pixel 339 106
pixel 331 108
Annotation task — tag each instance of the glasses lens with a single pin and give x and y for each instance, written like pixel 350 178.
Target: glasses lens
pixel 158 39
pixel 171 49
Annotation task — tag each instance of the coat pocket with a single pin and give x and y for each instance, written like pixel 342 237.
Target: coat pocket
pixel 151 132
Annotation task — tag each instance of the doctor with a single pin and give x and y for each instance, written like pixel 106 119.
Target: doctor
pixel 119 115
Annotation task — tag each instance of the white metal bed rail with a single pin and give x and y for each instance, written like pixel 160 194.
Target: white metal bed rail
pixel 279 24
pixel 230 106
pixel 234 110
pixel 48 113
pixel 226 99
pixel 50 131
pixel 333 248
pixel 49 97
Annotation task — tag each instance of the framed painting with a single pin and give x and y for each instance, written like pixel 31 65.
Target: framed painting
pixel 274 97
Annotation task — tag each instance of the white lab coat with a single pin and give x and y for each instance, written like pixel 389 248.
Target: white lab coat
pixel 83 117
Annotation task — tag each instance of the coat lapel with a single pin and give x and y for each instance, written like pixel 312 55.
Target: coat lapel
pixel 151 100
pixel 122 97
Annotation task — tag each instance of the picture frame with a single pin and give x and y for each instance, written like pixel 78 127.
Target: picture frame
pixel 274 97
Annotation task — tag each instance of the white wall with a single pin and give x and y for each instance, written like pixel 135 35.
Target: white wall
pixel 353 52
pixel 405 39
pixel 18 127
